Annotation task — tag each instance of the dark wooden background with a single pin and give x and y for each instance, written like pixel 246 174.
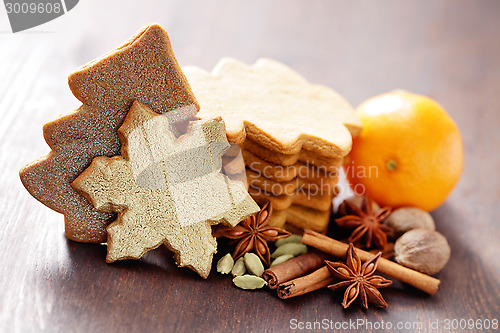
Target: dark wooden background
pixel 449 50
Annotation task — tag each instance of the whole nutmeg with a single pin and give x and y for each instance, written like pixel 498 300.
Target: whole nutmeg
pixel 424 250
pixel 404 219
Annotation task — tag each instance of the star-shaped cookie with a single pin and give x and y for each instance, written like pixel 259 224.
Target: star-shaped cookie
pixel 166 189
pixel 143 69
pixel 274 106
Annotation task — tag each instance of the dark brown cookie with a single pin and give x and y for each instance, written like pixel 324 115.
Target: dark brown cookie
pixel 143 69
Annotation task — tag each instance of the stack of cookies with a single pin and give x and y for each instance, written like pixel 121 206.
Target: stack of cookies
pixel 293 135
pixel 301 192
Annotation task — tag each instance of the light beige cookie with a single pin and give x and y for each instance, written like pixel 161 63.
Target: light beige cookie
pixel 166 190
pixel 319 201
pixel 267 169
pixel 264 174
pixel 279 202
pixel 308 218
pixel 274 106
pixel 324 186
pixel 254 179
pixel 282 173
pixel 297 218
pixel 278 219
pixel 290 159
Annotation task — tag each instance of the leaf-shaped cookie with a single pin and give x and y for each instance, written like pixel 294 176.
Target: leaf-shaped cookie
pixel 166 190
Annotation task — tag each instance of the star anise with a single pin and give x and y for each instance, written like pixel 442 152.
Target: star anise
pixel 359 279
pixel 367 223
pixel 254 233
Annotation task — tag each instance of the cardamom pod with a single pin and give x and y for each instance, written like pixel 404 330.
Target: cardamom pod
pixel 294 249
pixel 249 282
pixel 254 264
pixel 281 259
pixel 239 267
pixel 225 264
pixel 291 239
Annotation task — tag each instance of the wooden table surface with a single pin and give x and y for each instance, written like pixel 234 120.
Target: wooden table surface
pixel 448 50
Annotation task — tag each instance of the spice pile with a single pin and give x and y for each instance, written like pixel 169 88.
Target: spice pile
pixel 253 234
pixel 417 244
pixel 419 251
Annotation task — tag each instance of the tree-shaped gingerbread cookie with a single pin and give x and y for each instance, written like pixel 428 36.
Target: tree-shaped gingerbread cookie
pixel 143 69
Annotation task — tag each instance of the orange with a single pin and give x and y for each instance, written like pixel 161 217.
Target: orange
pixel 409 153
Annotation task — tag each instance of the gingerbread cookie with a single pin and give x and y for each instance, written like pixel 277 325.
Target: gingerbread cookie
pixel 269 170
pixel 272 105
pixel 276 157
pixel 143 69
pixel 308 218
pixel 255 180
pixel 297 218
pixel 299 170
pixel 166 189
pixel 318 201
pixel 327 185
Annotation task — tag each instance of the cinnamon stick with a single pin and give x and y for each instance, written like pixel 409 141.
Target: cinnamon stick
pixel 338 249
pixel 305 284
pixel 294 268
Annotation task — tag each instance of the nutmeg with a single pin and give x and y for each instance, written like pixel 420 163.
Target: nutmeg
pixel 404 219
pixel 424 250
